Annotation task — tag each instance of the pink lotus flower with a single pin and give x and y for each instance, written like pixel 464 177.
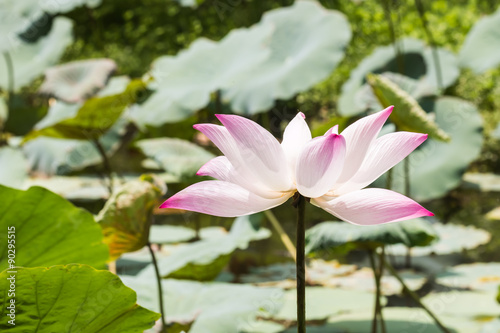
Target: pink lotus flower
pixel 257 173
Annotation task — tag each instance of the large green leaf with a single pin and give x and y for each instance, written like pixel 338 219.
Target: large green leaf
pixel 327 235
pixel 408 114
pixel 480 49
pixel 289 51
pixel 72 298
pixel 472 304
pixel 49 230
pixel 30 60
pixel 94 118
pixel 127 215
pixel 451 238
pixel 478 276
pixel 194 260
pixel 303 52
pixel 178 157
pixel 13 167
pixel 437 167
pixel 217 307
pixel 417 63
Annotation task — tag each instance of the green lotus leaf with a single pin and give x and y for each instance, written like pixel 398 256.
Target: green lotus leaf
pixel 177 157
pixel 408 114
pixel 480 49
pixel 75 81
pixel 165 234
pixel 477 276
pixel 195 260
pixel 327 235
pixel 127 215
pixel 471 304
pixel 417 63
pixel 30 60
pixel 217 307
pixel 49 230
pixel 437 167
pixel 52 156
pixel 484 182
pixel 322 303
pixel 96 116
pixel 451 238
pixel 13 167
pixel 303 53
pixel 74 298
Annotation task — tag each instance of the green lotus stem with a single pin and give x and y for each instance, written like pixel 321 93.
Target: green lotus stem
pixel 107 165
pixel 301 265
pixel 414 296
pixel 388 184
pixel 381 274
pixel 10 71
pixel 377 313
pixel 283 235
pixel 160 291
pixel 392 30
pixel 430 38
pixel 406 165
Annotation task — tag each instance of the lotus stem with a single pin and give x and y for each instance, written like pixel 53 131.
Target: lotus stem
pixel 430 38
pixel 381 274
pixel 10 71
pixel 414 296
pixel 406 165
pixel 107 165
pixel 392 30
pixel 377 273
pixel 160 291
pixel 301 266
pixel 283 235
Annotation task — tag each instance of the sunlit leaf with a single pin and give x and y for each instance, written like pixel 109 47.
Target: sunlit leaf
pixel 437 167
pixel 94 118
pixel 127 215
pixel 451 238
pixel 327 235
pixel 477 276
pixel 417 62
pixel 194 260
pixel 178 157
pixel 472 304
pixel 408 114
pixel 77 80
pixel 73 298
pixel 49 230
pixel 218 307
pixel 480 49
pixel 30 60
pixel 13 167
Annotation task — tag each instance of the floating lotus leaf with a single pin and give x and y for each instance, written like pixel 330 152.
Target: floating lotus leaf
pixel 178 157
pixel 49 230
pixel 30 60
pixel 471 304
pixel 13 167
pixel 437 167
pixel 218 307
pixel 417 61
pixel 322 303
pixel 165 234
pixel 75 81
pixel 127 215
pixel 478 276
pixel 480 49
pixel 303 52
pixel 94 117
pixel 408 115
pixel 73 298
pixel 197 257
pixel 398 320
pixel 484 182
pixel 451 238
pixel 326 235
pixel 52 156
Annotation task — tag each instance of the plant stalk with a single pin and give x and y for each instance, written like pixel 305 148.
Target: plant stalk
pixel 107 165
pixel 380 275
pixel 414 296
pixel 160 291
pixel 301 266
pixel 10 72
pixel 283 235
